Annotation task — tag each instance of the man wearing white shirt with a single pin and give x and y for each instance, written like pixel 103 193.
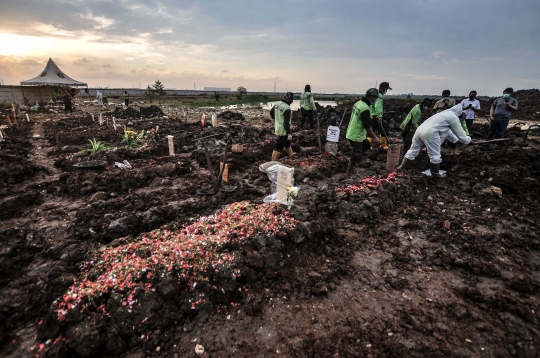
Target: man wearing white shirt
pixel 470 106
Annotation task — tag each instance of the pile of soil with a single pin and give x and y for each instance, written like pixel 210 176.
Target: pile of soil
pixel 127 113
pixel 231 116
pixel 151 111
pixel 377 264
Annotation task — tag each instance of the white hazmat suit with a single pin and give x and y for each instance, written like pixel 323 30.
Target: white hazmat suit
pixel 433 132
pixel 99 97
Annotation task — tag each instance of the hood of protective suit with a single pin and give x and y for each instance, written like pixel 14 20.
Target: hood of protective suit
pixel 457 109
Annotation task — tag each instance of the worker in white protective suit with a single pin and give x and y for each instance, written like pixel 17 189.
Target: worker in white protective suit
pixel 432 133
pixel 99 97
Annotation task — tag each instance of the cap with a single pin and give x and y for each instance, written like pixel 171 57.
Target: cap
pixel 372 92
pixel 385 84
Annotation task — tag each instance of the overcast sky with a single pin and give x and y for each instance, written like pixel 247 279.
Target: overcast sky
pixel 419 46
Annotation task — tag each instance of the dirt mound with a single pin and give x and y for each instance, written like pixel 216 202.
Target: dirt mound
pixel 231 116
pixel 127 113
pixel 151 111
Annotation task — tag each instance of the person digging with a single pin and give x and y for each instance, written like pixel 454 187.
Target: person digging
pixel 412 122
pixel 377 113
pixel 360 127
pixel 281 114
pixel 432 133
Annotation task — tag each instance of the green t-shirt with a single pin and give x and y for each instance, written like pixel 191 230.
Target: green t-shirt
pixel 356 130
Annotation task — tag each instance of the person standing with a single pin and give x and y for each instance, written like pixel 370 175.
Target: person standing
pixel 444 103
pixel 307 107
pixel 377 112
pixel 281 114
pixel 432 133
pixel 470 106
pixel 500 112
pixel 126 98
pixel 67 100
pixel 360 127
pixel 412 121
pixel 99 97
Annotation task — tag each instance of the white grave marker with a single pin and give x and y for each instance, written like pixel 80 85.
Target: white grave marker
pixel 332 135
pixel 284 180
pixel 171 145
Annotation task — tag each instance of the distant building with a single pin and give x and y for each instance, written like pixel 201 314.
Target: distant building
pixel 217 89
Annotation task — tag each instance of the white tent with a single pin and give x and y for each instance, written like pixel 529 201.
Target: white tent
pixel 53 76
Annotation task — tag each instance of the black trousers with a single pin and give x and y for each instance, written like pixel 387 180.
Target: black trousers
pixel 282 142
pixel 307 115
pixel 379 127
pixel 408 135
pixel 67 106
pixel 357 148
pixel 126 101
pixel 497 128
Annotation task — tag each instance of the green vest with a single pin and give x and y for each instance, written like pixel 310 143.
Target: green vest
pixel 414 116
pixel 307 102
pixel 464 126
pixel 356 130
pixel 126 95
pixel 279 113
pixel 376 109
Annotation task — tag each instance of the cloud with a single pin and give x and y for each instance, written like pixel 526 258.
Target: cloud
pixel 80 61
pixel 107 65
pixel 225 71
pixel 101 22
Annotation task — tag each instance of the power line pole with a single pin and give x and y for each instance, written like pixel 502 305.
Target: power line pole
pixel 274 86
pixel 194 86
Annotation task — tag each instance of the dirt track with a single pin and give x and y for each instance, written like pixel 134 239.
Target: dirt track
pixel 370 268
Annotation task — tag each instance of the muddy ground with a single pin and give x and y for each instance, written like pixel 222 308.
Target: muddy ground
pixel 376 266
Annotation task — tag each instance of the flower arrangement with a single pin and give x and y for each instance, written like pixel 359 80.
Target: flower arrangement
pixel 131 138
pixel 292 193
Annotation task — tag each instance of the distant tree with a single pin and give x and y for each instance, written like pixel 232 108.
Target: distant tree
pixel 217 96
pixel 149 93
pixel 409 96
pixel 241 92
pixel 158 90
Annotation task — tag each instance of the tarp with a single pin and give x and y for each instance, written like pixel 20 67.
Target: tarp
pixel 53 76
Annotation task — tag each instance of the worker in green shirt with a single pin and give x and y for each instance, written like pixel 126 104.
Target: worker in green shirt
pixel 377 113
pixel 281 114
pixel 360 127
pixel 412 121
pixel 307 107
pixel 126 98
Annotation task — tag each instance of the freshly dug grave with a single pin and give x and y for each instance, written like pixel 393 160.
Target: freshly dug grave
pixel 377 264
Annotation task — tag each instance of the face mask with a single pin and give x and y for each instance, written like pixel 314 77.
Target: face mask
pixel 506 95
pixel 383 92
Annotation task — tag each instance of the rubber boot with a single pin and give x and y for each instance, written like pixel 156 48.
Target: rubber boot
pixel 435 171
pixel 384 143
pixel 404 164
pixel 349 168
pixel 289 151
pixel 275 155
